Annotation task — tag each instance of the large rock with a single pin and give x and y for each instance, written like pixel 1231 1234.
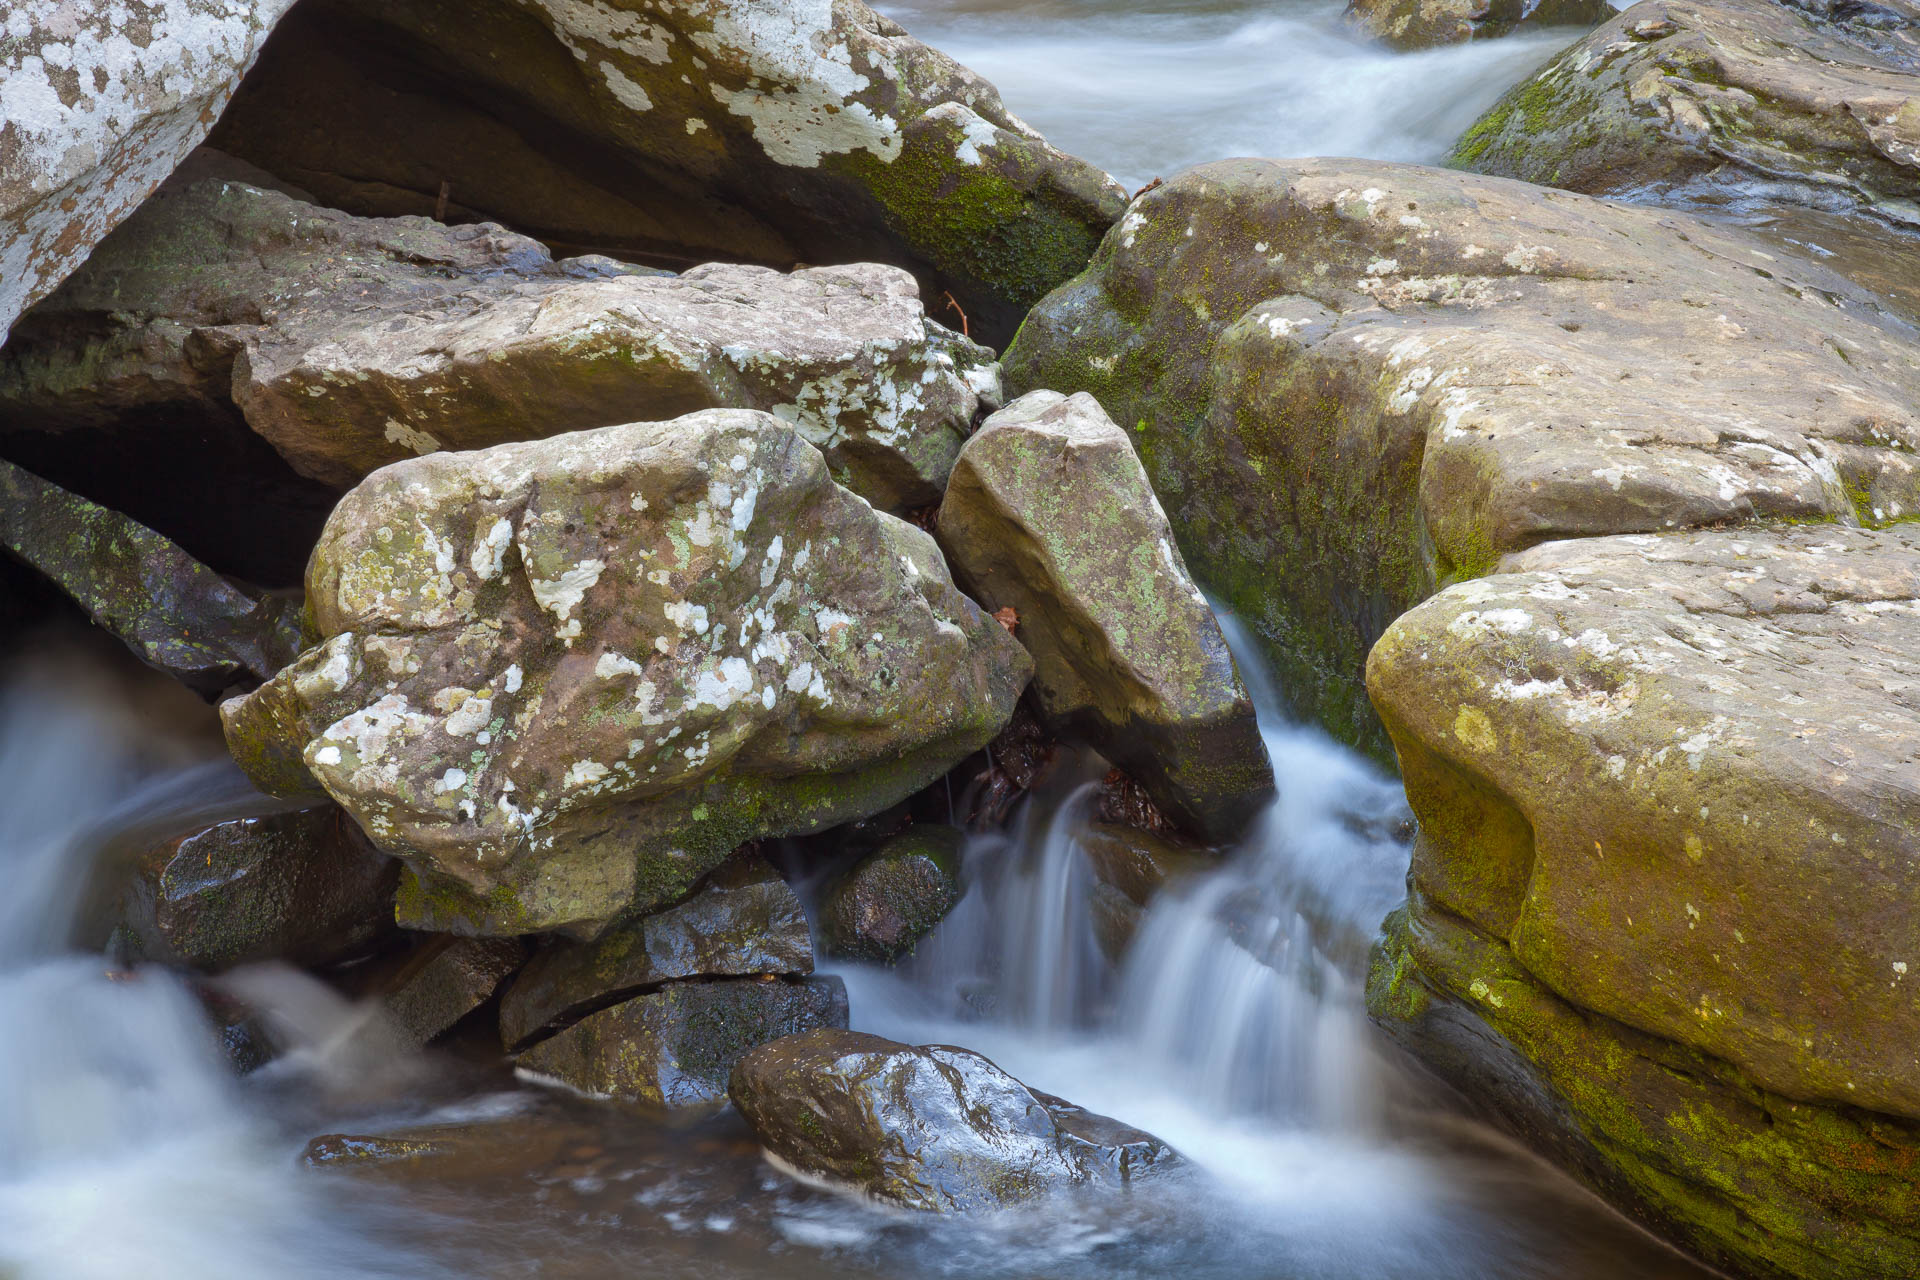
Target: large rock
pixel 1352 383
pixel 564 679
pixel 762 130
pixel 99 100
pixel 932 1128
pixel 1050 514
pixel 1809 102
pixel 424 991
pixel 676 1046
pixel 882 906
pixel 177 615
pixel 350 343
pixel 1669 853
pixel 299 884
pixel 1425 24
pixel 743 920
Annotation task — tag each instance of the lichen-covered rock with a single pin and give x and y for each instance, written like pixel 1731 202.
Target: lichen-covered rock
pixel 99 100
pixel 1049 513
pixel 743 920
pixel 349 343
pixel 1809 102
pixel 932 1128
pixel 768 130
pixel 426 991
pixel 1352 383
pixel 1426 24
pixel 564 679
pixel 676 1046
pixel 297 884
pixel 894 896
pixel 177 615
pixel 1668 852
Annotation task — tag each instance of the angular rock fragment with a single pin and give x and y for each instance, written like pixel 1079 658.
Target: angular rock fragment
pixel 742 921
pixel 1049 513
pixel 443 980
pixel 564 679
pixel 894 896
pixel 933 1128
pixel 675 1047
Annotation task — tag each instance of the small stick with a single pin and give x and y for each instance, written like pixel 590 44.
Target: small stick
pixel 440 205
pixel 965 332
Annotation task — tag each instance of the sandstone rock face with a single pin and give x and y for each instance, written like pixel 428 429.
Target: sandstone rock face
pixel 934 1128
pixel 676 1046
pixel 769 131
pixel 98 102
pixel 349 343
pixel 1668 847
pixel 1352 383
pixel 565 679
pixel 742 921
pixel 177 615
pixel 1813 103
pixel 1050 514
pixel 1425 24
pixel 894 896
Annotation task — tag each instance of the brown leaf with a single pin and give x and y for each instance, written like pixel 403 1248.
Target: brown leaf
pixel 1007 618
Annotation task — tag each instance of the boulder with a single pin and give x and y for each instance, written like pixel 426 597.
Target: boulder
pixel 563 680
pixel 298 884
pixel 99 100
pixel 1352 383
pixel 894 896
pixel 1665 880
pixel 743 920
pixel 177 615
pixel 439 981
pixel 934 1128
pixel 753 130
pixel 1049 514
pixel 349 343
pixel 675 1047
pixel 1812 103
pixel 1427 24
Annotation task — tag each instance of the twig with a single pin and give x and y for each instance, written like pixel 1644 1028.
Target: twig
pixel 965 332
pixel 440 205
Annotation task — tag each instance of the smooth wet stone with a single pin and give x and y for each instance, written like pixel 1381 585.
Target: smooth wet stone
pixel 743 920
pixel 1353 383
pixel 442 980
pixel 102 98
pixel 299 885
pixel 563 680
pixel 755 130
pixel 1129 867
pixel 177 615
pixel 1809 103
pixel 894 896
pixel 1049 514
pixel 675 1047
pixel 933 1128
pixel 1425 24
pixel 1665 789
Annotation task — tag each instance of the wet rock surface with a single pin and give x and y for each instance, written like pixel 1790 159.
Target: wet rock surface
pixel 676 1046
pixel 441 980
pixel 770 132
pixel 894 896
pixel 932 1128
pixel 1666 817
pixel 743 920
pixel 1129 867
pixel 102 100
pixel 1353 383
pixel 760 653
pixel 1050 514
pixel 1425 24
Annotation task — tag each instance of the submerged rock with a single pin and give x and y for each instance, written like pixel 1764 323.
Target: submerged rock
pixel 103 99
pixel 1808 102
pixel 1129 867
pixel 1050 514
pixel 565 679
pixel 177 615
pixel 743 920
pixel 1353 383
pixel 350 343
pixel 1667 854
pixel 675 1047
pixel 932 1128
pixel 1426 24
pixel 751 129
pixel 894 896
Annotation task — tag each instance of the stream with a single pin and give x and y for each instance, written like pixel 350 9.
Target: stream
pixel 1234 1030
